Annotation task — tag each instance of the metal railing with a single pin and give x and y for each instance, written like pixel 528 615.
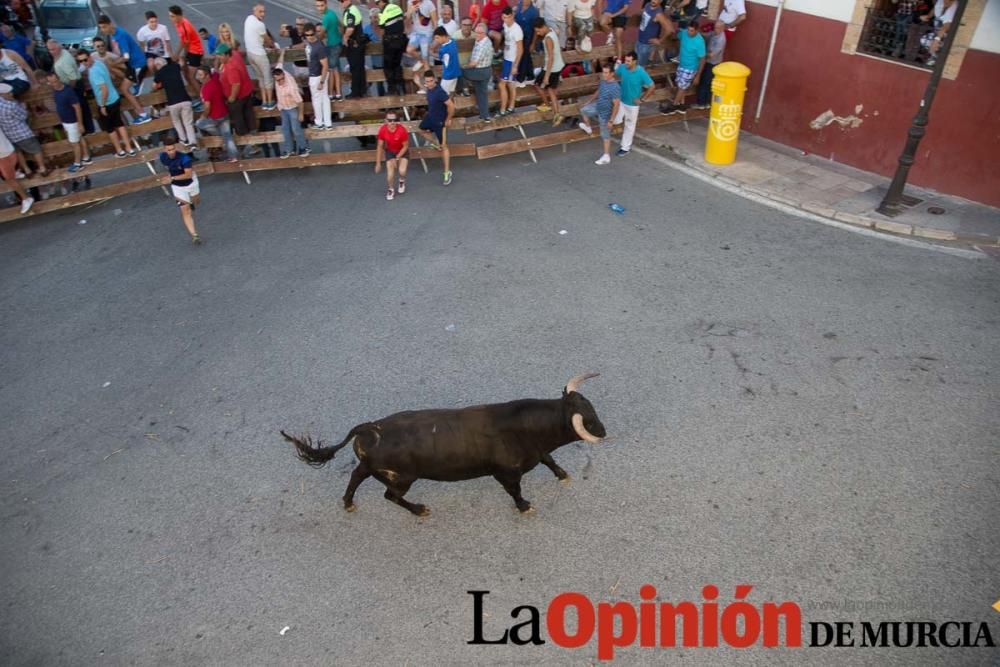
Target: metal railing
pixel 894 38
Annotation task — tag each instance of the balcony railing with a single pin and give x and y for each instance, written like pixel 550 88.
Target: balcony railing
pixel 899 40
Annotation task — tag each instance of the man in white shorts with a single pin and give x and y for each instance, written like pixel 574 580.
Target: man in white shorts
pixel 256 41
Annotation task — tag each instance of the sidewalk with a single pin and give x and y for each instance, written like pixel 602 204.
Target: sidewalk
pixel 821 187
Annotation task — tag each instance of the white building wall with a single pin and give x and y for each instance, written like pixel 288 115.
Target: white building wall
pixel 986 37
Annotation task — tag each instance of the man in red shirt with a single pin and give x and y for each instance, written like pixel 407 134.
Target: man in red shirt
pixel 215 116
pixel 189 49
pixel 393 144
pixel 238 89
pixel 492 16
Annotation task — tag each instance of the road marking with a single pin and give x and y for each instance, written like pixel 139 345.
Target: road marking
pixel 295 10
pixel 195 9
pixel 119 3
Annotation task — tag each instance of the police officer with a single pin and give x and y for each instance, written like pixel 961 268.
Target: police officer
pixel 391 22
pixel 354 42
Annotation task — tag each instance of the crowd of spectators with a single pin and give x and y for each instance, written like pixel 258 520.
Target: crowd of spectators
pixel 214 84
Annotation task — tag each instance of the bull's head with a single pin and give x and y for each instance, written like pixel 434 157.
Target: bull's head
pixel 584 417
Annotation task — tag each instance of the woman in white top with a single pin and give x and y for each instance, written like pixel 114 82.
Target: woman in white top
pixel 14 71
pixel 941 19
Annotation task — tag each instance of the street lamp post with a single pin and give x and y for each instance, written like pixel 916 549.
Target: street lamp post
pixel 890 205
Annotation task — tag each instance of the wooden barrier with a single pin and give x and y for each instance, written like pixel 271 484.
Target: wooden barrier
pixel 571 89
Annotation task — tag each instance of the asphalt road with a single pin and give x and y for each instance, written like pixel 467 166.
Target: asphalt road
pixel 789 406
pixel 208 14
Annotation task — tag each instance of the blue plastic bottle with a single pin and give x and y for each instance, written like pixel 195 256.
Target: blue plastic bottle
pixel 617 208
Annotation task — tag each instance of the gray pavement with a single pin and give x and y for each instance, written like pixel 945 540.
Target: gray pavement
pixel 823 187
pixel 790 406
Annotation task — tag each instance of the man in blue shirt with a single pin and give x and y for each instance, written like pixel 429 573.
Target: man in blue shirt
pixel 690 63
pixel 447 50
pixel 525 16
pixel 183 183
pixel 108 101
pixel 636 87
pixel 123 44
pixel 603 106
pixel 435 124
pixel 613 20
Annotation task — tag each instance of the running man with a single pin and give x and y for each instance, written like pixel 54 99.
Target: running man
pixel 183 182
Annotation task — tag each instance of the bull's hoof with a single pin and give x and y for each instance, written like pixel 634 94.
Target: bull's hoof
pixel 350 508
pixel 527 510
pixel 421 510
pixel 565 480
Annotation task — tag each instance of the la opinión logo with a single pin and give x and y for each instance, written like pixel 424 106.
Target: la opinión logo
pixel 737 623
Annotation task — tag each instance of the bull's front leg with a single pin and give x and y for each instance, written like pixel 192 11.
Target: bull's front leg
pixel 511 482
pixel 551 464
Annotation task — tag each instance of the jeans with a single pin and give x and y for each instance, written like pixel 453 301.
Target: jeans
pixel 480 79
pixel 902 32
pixel 356 59
pixel 290 125
pixel 393 47
pixel 705 85
pixel 629 114
pixel 645 52
pixel 219 126
pixel 320 102
pixel 182 117
pixel 242 116
pixel 591 117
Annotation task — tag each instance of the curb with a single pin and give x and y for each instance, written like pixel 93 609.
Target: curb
pixel 876 224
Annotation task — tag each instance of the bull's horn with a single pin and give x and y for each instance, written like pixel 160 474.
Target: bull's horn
pixel 572 384
pixel 581 431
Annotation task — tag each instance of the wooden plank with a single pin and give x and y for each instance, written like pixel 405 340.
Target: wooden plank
pixel 326 159
pixel 101 138
pixel 93 195
pixel 575 135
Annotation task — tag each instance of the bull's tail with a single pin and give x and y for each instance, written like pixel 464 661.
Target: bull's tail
pixel 318 456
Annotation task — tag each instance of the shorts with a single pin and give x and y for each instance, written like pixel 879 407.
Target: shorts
pixel 552 82
pixel 8 164
pixel 113 120
pixel 73 132
pixel 260 63
pixel 507 72
pixel 449 85
pixel 186 193
pixel 619 21
pixel 437 127
pixel 29 145
pixel 684 77
pixel 583 27
pixel 421 39
pixel 194 60
pixel 392 155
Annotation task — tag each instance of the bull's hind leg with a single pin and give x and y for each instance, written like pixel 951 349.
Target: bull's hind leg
pixel 360 474
pixel 551 464
pixel 396 487
pixel 511 482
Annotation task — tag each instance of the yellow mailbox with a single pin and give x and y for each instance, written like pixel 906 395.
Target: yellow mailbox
pixel 728 88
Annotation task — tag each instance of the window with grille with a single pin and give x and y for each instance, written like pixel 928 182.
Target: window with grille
pixel 894 31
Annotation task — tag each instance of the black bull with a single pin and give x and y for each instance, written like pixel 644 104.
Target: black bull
pixel 504 440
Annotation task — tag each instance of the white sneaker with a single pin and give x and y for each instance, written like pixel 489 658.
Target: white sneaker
pixel 611 38
pixel 604 159
pixel 26 204
pixel 586 128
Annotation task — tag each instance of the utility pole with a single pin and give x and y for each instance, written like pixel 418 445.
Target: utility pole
pixel 894 198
